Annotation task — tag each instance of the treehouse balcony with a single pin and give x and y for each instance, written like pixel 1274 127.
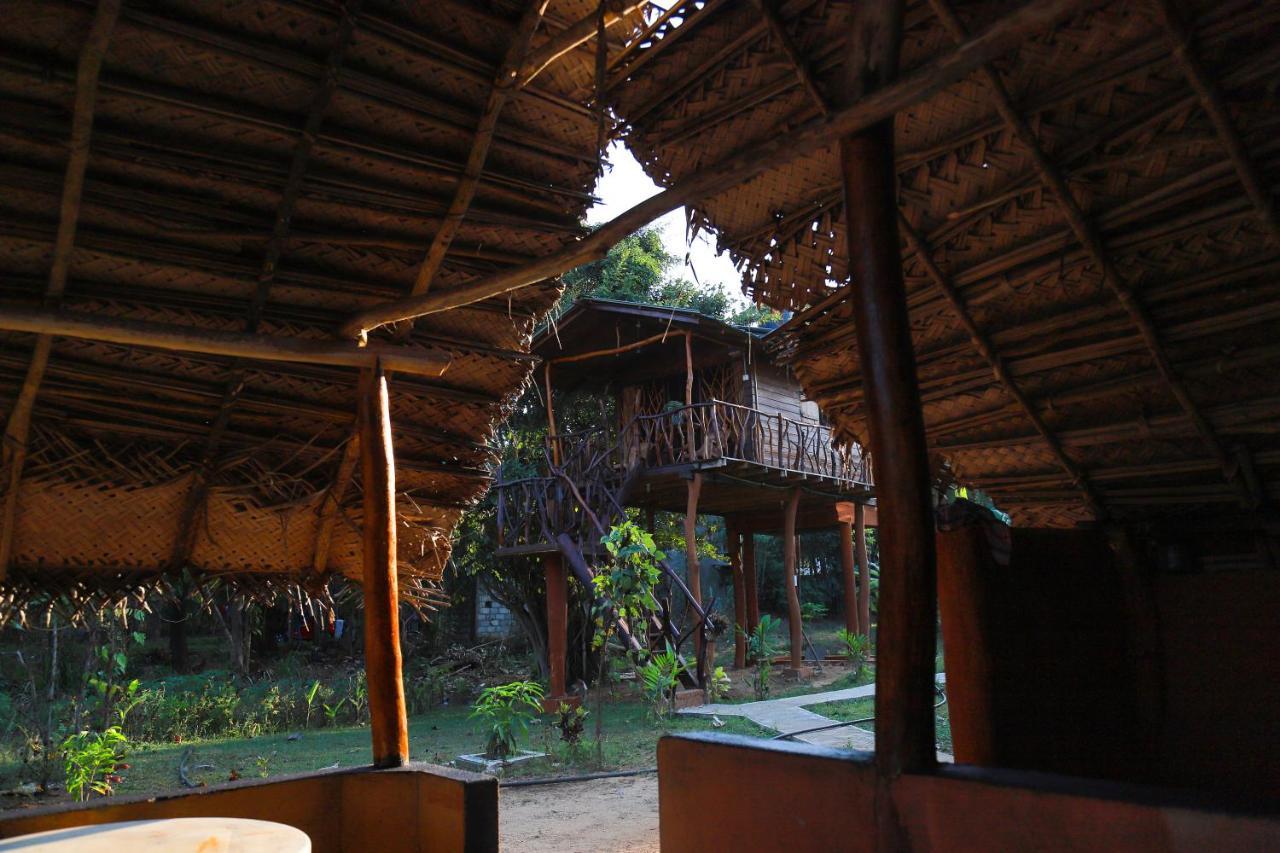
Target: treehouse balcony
pixel 746 456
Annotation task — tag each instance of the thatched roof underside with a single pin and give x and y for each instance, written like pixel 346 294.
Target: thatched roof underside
pixel 1168 406
pixel 267 167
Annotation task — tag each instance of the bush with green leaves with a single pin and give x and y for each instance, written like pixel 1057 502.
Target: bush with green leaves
pixel 507 711
pixel 660 675
pixel 812 610
pixel 856 649
pixel 762 648
pixel 718 686
pixel 626 583
pixel 93 761
pixel 570 720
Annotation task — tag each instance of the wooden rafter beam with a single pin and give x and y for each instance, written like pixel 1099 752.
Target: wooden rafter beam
pixel 1182 40
pixel 1087 233
pixel 1004 35
pixel 570 38
pixel 500 91
pixel 13 454
pixel 799 64
pixel 239 345
pixel 197 495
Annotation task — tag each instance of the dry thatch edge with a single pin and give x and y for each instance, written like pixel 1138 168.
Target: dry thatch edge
pixel 1001 37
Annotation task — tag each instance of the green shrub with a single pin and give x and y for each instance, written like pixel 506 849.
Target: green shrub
pixel 760 646
pixel 718 686
pixel 856 648
pixel 811 610
pixel 660 676
pixel 92 760
pixel 507 710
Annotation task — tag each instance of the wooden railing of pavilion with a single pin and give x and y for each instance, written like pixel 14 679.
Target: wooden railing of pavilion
pixel 533 511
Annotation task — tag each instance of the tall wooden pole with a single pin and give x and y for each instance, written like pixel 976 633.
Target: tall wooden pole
pixel 688 393
pixel 789 552
pixel 387 714
pixel 551 416
pixel 691 558
pixel 908 572
pixel 849 572
pixel 733 544
pixel 749 579
pixel 864 567
pixel 557 627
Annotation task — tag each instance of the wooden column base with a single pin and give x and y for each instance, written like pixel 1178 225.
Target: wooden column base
pixel 551 704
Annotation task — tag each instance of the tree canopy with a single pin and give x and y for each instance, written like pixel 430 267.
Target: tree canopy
pixel 641 269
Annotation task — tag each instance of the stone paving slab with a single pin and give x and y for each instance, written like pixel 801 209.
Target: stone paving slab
pixel 789 715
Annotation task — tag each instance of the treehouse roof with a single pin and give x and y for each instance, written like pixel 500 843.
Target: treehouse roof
pixel 605 341
pixel 1089 234
pixel 195 196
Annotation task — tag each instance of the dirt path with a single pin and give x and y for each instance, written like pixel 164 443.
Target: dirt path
pixel 605 815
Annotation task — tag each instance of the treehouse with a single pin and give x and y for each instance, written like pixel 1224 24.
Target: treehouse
pixel 705 421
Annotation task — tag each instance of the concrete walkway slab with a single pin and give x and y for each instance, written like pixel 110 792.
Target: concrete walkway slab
pixel 788 715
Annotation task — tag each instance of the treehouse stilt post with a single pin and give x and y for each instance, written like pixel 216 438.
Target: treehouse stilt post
pixel 789 553
pixel 733 544
pixel 691 559
pixel 864 568
pixel 749 579
pixel 557 629
pixel 848 571
pixel 387 715
pixel 908 577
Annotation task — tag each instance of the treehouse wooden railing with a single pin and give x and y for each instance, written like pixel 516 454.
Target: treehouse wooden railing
pixel 708 432
pixel 533 511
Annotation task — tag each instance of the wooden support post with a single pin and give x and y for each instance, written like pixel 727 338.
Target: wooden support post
pixel 864 567
pixel 551 417
pixel 908 572
pixel 694 570
pixel 688 393
pixel 789 553
pixel 849 572
pixel 749 579
pixel 557 629
pixel 387 715
pixel 733 544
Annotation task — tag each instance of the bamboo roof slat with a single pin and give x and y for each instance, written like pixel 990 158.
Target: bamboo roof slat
pixel 258 172
pixel 1089 233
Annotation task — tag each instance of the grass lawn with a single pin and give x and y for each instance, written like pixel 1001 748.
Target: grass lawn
pixel 865 709
pixel 631 737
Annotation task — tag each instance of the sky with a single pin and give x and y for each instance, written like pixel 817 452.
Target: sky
pixel 626 185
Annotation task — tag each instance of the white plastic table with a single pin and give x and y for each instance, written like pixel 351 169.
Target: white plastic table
pixel 175 835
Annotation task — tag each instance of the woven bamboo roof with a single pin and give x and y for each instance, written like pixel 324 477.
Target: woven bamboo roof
pixel 1090 238
pixel 265 169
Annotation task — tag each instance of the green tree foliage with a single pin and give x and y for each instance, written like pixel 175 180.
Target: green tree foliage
pixel 641 269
